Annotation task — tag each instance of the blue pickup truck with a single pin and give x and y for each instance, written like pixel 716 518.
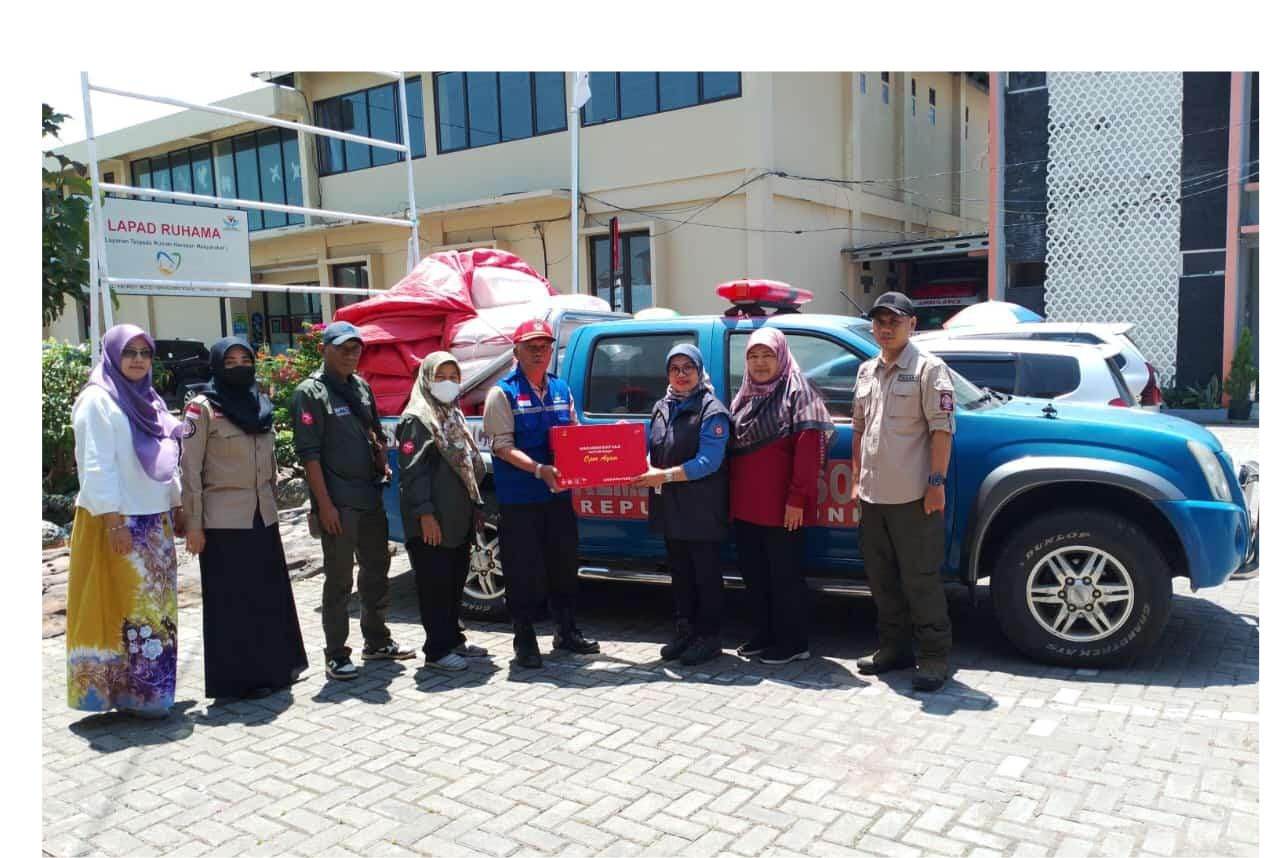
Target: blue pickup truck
pixel 1079 516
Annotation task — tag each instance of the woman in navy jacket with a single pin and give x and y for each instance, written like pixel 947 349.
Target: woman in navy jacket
pixel 689 500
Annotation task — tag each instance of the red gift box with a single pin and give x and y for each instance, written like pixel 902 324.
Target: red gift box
pixel 599 455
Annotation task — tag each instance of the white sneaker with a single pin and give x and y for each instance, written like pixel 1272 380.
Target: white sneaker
pixel 449 661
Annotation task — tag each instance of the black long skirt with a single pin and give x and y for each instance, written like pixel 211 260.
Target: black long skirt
pixel 251 634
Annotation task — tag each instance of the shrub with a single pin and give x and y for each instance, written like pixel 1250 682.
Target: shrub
pixel 64 369
pixel 1243 373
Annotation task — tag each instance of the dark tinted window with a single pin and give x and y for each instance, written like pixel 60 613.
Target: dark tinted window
pixel 517 105
pixel 247 188
pixel 1122 387
pixel 1067 337
pixel 622 95
pixel 180 174
pixel 375 113
pixel 677 89
pixel 384 122
pixel 271 170
pixel 627 375
pixel 997 372
pixel 549 99
pixel 451 118
pixel 355 117
pixel 482 108
pixel 202 171
pixel 1048 376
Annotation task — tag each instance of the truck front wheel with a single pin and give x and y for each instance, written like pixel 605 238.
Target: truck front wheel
pixel 1081 588
pixel 484 595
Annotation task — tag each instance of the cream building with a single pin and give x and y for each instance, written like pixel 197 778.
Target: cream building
pixel 713 176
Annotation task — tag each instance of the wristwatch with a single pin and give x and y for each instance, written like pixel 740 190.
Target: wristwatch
pixel 937 479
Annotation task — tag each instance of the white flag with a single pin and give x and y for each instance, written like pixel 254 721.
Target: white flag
pixel 581 89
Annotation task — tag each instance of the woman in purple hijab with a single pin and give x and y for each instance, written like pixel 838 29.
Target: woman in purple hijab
pixel 122 606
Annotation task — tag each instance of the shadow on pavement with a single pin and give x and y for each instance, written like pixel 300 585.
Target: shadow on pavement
pixel 371 685
pixel 108 732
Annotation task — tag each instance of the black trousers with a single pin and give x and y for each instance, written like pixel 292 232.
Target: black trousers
pixel 438 575
pixel 697 584
pixel 772 564
pixel 539 547
pixel 902 550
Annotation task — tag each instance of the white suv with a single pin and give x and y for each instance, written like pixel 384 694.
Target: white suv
pixel 1080 373
pixel 1139 375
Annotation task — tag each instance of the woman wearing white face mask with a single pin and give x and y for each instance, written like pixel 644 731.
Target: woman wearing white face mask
pixel 440 474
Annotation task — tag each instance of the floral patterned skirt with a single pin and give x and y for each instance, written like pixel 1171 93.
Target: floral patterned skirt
pixel 122 616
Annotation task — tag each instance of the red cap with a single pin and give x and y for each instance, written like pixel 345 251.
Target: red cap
pixel 534 329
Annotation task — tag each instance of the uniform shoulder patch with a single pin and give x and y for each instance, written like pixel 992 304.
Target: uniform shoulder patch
pixel 307 418
pixel 718 430
pixel 188 427
pixel 408 447
pixel 946 400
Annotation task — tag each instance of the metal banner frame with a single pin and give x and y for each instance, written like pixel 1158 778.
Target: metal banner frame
pixel 100 313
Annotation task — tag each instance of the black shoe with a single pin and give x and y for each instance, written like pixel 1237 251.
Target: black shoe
pixel 259 693
pixel 755 646
pixel 885 660
pixel 567 635
pixel 340 668
pixel 572 640
pixel 929 677
pixel 526 646
pixel 702 649
pixel 681 642
pixel 778 655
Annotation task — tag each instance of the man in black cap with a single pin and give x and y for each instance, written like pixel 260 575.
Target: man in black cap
pixel 904 420
pixel 337 435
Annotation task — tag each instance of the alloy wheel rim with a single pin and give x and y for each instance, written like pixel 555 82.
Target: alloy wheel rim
pixel 1080 594
pixel 484 576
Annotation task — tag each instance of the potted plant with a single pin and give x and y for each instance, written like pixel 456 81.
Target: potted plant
pixel 1197 403
pixel 1240 379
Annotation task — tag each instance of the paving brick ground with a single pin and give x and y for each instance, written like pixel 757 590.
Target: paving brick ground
pixel 618 754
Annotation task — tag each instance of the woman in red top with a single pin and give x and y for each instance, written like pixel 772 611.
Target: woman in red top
pixel 781 431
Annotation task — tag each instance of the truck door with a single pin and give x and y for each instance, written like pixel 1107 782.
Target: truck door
pixel 833 547
pixel 620 375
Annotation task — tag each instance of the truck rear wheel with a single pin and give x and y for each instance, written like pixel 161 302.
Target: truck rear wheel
pixel 1081 588
pixel 484 595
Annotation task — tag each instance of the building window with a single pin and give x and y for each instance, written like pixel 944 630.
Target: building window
pixel 372 113
pixel 913 96
pixel 884 87
pixel 625 95
pixel 933 106
pixel 862 83
pixel 261 165
pixel 633 289
pixel 351 275
pixel 476 109
pixel 286 311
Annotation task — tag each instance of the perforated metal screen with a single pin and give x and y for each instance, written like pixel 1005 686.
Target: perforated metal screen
pixel 1112 219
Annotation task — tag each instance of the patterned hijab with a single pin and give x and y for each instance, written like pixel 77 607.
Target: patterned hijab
pixel 446 424
pixel 155 431
pixel 785 405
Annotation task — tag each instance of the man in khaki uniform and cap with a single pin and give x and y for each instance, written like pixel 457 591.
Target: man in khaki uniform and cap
pixel 904 419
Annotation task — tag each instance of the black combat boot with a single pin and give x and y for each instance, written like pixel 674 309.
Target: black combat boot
pixel 679 643
pixel 526 645
pixel 701 650
pixel 568 637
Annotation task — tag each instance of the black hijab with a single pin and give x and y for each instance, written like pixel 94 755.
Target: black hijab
pixel 244 405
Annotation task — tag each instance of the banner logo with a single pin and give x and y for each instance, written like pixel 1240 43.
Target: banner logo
pixel 168 263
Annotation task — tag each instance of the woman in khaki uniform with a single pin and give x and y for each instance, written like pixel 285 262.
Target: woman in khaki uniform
pixel 252 643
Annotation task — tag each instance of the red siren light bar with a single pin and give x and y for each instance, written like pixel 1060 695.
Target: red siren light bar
pixel 753 297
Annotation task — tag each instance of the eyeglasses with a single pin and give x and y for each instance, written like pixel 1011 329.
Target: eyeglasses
pixel 682 369
pixel 143 354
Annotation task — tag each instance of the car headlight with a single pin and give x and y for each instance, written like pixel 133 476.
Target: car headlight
pixel 1212 469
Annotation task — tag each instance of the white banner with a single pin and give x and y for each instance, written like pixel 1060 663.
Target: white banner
pixel 163 241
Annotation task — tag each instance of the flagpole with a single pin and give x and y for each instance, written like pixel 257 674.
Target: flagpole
pixel 573 195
